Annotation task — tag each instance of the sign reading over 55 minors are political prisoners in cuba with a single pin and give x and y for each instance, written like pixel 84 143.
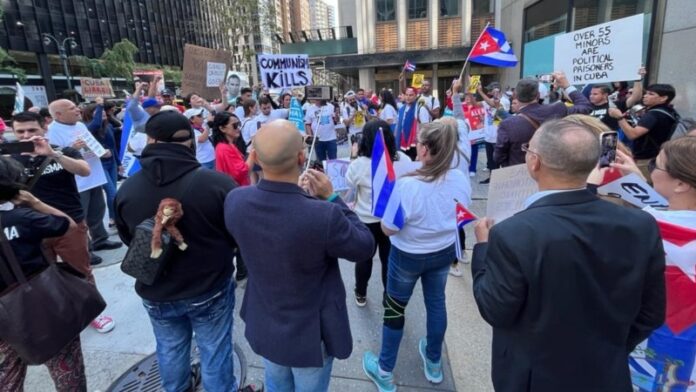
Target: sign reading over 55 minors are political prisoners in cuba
pixel 285 70
pixel 607 52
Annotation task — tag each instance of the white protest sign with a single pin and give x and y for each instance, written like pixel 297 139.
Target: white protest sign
pixel 607 52
pixel 285 70
pixel 96 178
pixel 92 144
pixel 508 190
pixel 37 95
pixel 215 74
pixel 336 171
pixel 634 190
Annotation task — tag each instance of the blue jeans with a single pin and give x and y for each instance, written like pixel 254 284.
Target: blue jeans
pixel 209 165
pixel 288 379
pixel 404 271
pixel 210 316
pixel 111 171
pixel 326 150
pixel 474 158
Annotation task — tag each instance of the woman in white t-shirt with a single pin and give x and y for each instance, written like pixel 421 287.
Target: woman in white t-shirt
pixel 320 122
pixel 423 248
pixel 387 110
pixel 359 177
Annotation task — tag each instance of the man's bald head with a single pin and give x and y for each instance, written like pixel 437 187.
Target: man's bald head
pixel 569 150
pixel 64 111
pixel 278 146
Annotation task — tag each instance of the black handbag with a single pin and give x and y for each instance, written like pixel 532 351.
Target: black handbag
pixel 41 314
pixel 137 262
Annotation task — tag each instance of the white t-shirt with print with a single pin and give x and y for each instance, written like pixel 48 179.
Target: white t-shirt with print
pixel 204 150
pixel 321 118
pixel 358 122
pixel 389 112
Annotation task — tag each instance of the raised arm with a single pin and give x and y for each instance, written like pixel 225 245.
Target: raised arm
pixel 637 93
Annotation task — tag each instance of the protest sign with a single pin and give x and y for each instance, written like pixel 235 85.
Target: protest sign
pixel 508 190
pixel 336 170
pixel 93 88
pixel 149 76
pixel 195 80
pixel 296 115
pixel 474 83
pixel 37 95
pixel 417 80
pixel 215 74
pixel 634 190
pixel 476 118
pixel 234 83
pixel 285 70
pixel 602 53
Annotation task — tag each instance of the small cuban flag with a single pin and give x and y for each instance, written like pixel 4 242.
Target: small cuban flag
pixel 492 48
pixel 464 216
pixel 409 66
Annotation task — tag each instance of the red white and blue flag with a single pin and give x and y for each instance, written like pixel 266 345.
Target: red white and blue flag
pixel 464 216
pixel 492 48
pixel 409 66
pixel 386 203
pixel 666 361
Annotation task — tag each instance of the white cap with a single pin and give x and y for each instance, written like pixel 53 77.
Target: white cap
pixel 171 108
pixel 193 112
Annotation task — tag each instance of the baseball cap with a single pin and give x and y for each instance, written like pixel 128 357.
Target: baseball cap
pixel 167 92
pixel 150 102
pixel 164 108
pixel 193 112
pixel 349 94
pixel 163 125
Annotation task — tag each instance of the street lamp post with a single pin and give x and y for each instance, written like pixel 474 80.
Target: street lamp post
pixel 47 38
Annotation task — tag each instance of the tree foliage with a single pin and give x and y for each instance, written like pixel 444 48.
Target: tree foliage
pixel 119 60
pixel 8 64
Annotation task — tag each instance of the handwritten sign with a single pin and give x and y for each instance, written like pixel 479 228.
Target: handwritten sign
pixel 336 171
pixel 215 74
pixel 508 190
pixel 285 70
pixel 93 88
pixel 196 71
pixel 634 190
pixel 602 53
pixel 37 95
pixel 417 80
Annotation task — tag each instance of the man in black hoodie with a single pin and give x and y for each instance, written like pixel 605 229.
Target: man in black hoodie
pixel 195 292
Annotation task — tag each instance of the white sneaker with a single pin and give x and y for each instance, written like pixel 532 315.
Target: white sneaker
pixel 455 270
pixel 464 259
pixel 103 324
pixel 472 174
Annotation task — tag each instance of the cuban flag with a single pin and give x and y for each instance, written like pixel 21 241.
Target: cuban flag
pixel 492 48
pixel 409 66
pixel 464 216
pixel 128 160
pixel 666 361
pixel 386 203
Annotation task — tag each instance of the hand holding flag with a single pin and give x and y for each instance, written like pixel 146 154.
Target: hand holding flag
pixel 463 216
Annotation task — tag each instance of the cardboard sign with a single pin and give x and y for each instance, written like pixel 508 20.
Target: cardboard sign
pixel 285 70
pixel 37 95
pixel 634 190
pixel 296 114
pixel 607 52
pixel 509 189
pixel 215 74
pixel 234 83
pixel 93 88
pixel 417 80
pixel 336 171
pixel 195 80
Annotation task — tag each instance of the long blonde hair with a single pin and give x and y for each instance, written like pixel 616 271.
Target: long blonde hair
pixel 440 138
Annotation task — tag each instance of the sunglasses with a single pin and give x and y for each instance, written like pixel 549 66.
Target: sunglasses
pixel 235 125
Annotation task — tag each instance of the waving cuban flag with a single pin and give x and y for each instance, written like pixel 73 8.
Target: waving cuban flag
pixel 492 48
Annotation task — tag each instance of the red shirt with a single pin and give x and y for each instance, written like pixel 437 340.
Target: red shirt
pixel 230 161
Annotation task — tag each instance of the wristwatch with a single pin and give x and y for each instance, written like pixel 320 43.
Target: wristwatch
pixel 57 155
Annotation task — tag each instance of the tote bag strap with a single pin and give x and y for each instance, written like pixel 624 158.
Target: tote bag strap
pixel 9 258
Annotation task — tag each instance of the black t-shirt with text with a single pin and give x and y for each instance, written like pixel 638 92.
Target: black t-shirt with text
pixel 601 112
pixel 56 186
pixel 25 229
pixel 659 127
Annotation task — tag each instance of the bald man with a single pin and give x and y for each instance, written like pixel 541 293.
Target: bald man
pixel 291 239
pixel 572 283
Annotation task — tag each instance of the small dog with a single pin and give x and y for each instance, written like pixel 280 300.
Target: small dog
pixel 168 214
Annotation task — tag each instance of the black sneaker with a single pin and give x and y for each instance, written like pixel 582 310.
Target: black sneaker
pixel 255 387
pixel 360 300
pixel 486 181
pixel 94 259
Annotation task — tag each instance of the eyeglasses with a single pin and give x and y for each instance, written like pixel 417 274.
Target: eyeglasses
pixel 525 148
pixel 235 125
pixel 652 166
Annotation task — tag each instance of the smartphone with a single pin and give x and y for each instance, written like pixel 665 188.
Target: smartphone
pixel 12 148
pixel 608 142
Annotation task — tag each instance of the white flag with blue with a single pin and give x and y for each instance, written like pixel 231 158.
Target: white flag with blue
pixel 128 160
pixel 386 203
pixel 19 98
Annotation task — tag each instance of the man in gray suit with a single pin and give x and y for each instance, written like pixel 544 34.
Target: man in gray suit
pixel 291 238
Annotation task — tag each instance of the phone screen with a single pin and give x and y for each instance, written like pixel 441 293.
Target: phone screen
pixel 16 147
pixel 608 141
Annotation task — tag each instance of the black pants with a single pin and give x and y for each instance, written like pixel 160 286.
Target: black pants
pixel 95 207
pixel 490 164
pixel 363 269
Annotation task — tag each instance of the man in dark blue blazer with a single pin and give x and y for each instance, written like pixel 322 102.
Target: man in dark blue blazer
pixel 291 238
pixel 572 283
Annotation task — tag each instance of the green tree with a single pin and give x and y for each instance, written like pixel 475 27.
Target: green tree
pixel 119 60
pixel 8 64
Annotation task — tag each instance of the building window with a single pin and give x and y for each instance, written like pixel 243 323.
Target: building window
pixel 545 18
pixel 417 9
pixel 449 8
pixel 588 13
pixel 386 10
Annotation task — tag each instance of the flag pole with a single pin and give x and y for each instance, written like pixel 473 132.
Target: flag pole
pixel 461 74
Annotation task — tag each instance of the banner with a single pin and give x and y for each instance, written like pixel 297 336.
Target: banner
pixel 607 52
pixel 285 70
pixel 93 88
pixel 215 74
pixel 234 83
pixel 508 190
pixel 37 95
pixel 634 190
pixel 149 76
pixel 417 80
pixel 296 114
pixel 196 71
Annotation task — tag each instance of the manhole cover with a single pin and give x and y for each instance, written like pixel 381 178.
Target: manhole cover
pixel 144 376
